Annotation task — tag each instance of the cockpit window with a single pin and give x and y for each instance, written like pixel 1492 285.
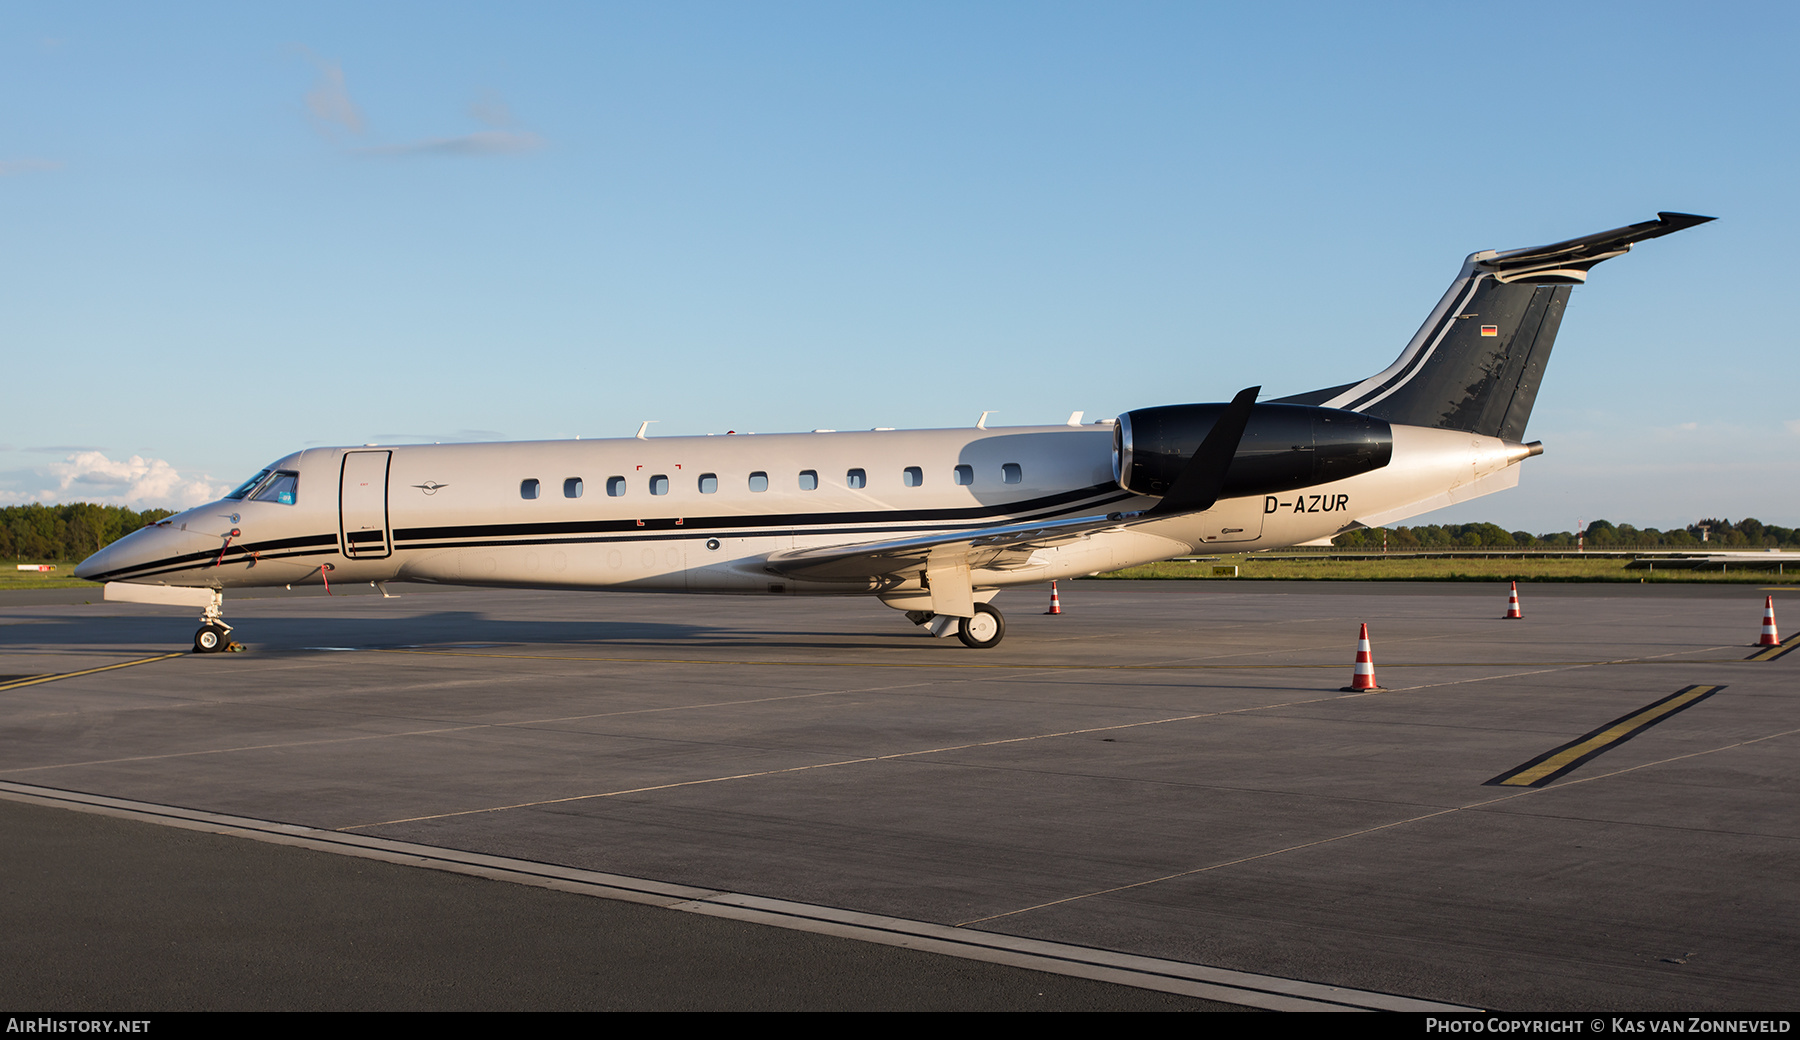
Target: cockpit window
pixel 247 486
pixel 283 487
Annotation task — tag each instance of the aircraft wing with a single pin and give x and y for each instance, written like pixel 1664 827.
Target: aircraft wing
pixel 1002 548
pixel 989 548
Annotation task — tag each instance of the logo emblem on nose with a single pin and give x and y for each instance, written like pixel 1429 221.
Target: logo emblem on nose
pixel 430 487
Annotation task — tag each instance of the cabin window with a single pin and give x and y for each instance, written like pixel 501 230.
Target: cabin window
pixel 709 483
pixel 528 488
pixel 659 484
pixel 1011 473
pixel 281 488
pixel 913 476
pixel 856 478
pixel 965 475
pixel 809 480
pixel 615 487
pixel 572 487
pixel 759 481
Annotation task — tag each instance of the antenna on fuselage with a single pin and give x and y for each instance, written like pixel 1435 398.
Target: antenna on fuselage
pixel 1075 418
pixel 981 423
pixel 644 428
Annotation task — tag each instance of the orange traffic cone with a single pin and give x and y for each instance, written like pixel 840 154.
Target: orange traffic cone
pixel 1055 604
pixel 1769 636
pixel 1512 603
pixel 1364 676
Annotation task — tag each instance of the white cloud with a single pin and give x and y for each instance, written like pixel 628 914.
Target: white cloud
pixel 329 99
pixel 492 109
pixel 484 142
pixel 335 113
pixel 89 476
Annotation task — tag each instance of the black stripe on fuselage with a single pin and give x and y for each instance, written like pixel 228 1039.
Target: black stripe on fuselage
pixel 670 531
pixel 886 519
pixel 653 529
pixel 302 545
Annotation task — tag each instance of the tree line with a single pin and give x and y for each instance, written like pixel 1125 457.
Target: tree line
pixel 66 533
pixel 1748 533
pixel 69 533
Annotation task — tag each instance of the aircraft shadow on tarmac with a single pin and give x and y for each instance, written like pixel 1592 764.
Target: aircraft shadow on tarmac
pixel 442 629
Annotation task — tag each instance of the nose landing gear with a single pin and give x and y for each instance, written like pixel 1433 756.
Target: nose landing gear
pixel 214 633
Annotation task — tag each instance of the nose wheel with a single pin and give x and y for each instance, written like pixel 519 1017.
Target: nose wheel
pixel 984 630
pixel 214 634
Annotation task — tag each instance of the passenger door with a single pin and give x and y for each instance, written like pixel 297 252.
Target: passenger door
pixel 362 505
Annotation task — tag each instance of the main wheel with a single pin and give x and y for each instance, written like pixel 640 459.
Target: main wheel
pixel 983 630
pixel 209 640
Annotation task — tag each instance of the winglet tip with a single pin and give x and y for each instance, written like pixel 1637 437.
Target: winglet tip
pixel 1681 221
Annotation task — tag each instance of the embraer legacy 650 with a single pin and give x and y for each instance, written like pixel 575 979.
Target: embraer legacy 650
pixel 931 522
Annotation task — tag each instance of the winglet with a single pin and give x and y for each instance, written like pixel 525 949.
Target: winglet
pixel 1203 478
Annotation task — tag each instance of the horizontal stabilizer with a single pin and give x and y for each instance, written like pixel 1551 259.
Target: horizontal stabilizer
pixel 1539 263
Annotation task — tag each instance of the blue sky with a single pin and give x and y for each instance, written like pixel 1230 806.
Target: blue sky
pixel 231 231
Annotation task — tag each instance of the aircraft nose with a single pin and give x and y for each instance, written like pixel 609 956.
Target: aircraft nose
pixel 95 564
pixel 138 549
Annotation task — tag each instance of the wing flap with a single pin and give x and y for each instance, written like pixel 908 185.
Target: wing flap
pixel 992 548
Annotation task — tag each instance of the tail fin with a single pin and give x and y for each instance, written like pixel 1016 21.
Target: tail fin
pixel 1476 363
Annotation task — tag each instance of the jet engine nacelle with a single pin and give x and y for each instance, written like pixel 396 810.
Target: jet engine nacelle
pixel 1285 446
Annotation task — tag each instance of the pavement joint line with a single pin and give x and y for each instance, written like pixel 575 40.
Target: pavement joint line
pixel 22 683
pixel 1222 984
pixel 1025 670
pixel 858 760
pixel 734 663
pixel 434 731
pixel 1469 807
pixel 867 759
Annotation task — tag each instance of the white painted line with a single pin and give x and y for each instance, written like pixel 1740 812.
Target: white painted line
pixel 1198 980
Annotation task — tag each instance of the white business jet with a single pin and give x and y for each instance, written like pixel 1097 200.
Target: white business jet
pixel 931 522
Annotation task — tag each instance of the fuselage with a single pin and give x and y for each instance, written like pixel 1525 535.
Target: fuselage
pixel 706 514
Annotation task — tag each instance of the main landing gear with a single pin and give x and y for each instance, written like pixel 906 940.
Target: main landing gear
pixel 980 632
